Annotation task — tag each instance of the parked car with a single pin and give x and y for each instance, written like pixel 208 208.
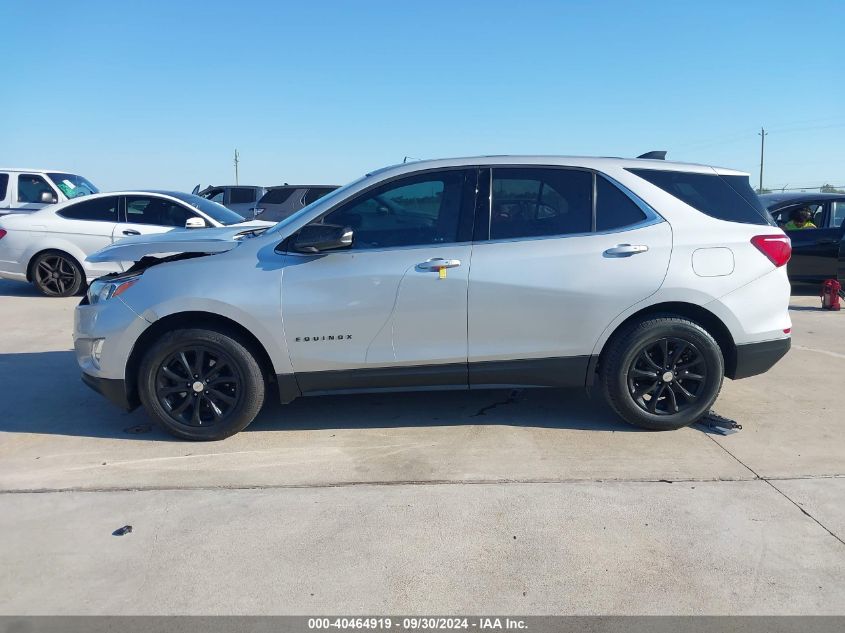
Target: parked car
pixel 28 190
pixel 818 252
pixel 281 202
pixel 49 247
pixel 646 280
pixel 241 199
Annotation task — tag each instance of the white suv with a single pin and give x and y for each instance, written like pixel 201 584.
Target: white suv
pixel 28 190
pixel 648 280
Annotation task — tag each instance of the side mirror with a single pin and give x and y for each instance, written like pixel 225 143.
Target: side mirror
pixel 314 238
pixel 48 197
pixel 195 223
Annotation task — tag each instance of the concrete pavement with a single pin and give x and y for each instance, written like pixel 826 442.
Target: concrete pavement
pixel 411 502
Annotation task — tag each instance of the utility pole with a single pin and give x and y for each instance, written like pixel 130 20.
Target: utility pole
pixel 763 135
pixel 237 160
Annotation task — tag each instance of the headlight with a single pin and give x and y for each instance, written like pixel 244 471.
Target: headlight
pixel 105 289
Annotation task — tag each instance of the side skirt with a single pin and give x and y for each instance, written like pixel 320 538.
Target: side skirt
pixel 532 372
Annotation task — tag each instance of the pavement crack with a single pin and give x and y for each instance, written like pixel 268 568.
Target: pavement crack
pixel 776 489
pixel 511 399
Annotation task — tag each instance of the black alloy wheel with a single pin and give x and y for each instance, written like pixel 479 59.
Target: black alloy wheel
pixel 56 275
pixel 667 376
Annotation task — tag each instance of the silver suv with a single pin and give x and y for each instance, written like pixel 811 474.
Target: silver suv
pixel 646 280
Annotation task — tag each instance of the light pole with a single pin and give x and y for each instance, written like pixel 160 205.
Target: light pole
pixel 237 160
pixel 762 134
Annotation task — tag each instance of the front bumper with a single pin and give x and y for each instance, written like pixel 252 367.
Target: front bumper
pixel 113 389
pixel 756 358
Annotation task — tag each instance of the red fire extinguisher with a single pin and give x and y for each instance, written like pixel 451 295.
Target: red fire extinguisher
pixel 830 295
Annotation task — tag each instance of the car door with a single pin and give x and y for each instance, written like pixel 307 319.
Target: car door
pixel 554 267
pixel 390 311
pixel 815 251
pixel 28 193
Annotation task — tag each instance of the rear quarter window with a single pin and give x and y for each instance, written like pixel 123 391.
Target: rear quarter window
pixel 277 196
pixel 728 198
pixel 4 185
pixel 241 195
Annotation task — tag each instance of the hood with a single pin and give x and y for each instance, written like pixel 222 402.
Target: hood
pixel 213 240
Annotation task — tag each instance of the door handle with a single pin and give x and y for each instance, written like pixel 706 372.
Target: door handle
pixel 131 232
pixel 626 250
pixel 438 263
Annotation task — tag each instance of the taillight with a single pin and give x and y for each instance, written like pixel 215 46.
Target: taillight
pixel 2 233
pixel 777 248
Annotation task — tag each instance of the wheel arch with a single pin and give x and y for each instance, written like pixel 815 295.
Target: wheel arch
pixel 693 312
pixel 54 249
pixel 191 319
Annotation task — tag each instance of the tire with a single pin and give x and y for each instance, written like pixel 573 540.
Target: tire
pixel 223 388
pixel 636 380
pixel 56 274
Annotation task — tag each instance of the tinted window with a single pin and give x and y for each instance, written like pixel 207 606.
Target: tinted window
pixel 424 209
pixel 4 183
pixel 315 193
pixel 729 198
pixel 159 211
pixel 277 196
pixel 531 202
pixel 837 213
pixel 240 195
pixel 215 195
pixel 614 209
pixel 99 209
pixel 30 188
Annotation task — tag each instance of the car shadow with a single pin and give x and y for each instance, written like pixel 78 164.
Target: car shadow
pixel 43 394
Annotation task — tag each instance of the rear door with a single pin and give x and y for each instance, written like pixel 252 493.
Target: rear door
pixel 565 252
pixel 89 224
pixel 381 314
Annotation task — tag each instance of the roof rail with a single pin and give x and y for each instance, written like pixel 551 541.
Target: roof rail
pixel 656 155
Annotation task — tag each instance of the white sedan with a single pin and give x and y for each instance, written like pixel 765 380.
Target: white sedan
pixel 49 247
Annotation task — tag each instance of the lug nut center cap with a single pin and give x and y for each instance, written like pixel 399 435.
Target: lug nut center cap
pixel 198 386
pixel 667 377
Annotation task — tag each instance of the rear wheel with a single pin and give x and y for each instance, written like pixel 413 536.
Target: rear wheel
pixel 57 274
pixel 662 373
pixel 201 384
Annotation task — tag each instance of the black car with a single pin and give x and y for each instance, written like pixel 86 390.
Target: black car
pixel 817 253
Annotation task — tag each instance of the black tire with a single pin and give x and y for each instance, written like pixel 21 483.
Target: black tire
pixel 223 386
pixel 56 274
pixel 636 380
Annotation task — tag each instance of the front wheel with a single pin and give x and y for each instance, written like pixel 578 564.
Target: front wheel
pixel 201 384
pixel 662 373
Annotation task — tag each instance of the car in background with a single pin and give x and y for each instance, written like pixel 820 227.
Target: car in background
pixel 28 190
pixel 239 198
pixel 817 253
pixel 49 247
pixel 281 202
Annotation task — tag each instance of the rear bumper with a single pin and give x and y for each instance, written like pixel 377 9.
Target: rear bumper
pixel 757 358
pixel 113 389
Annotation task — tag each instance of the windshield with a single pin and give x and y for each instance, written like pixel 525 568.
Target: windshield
pixel 329 197
pixel 212 209
pixel 72 185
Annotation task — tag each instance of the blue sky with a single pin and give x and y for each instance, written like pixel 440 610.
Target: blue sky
pixel 159 94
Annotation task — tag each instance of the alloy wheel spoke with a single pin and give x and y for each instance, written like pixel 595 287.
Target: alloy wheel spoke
pixel 199 359
pixel 685 392
pixel 643 373
pixel 679 352
pixel 222 396
pixel 650 361
pixel 639 393
pixel 184 360
pixel 182 406
pixel 171 375
pixel 652 404
pixel 195 416
pixel 212 376
pixel 672 399
pixel 664 348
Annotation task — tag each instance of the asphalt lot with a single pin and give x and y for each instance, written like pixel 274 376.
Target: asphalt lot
pixel 528 502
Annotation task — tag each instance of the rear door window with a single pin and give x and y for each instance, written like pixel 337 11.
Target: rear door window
pixel 538 202
pixel 98 210
pixel 728 198
pixel 837 213
pixel 4 185
pixel 783 216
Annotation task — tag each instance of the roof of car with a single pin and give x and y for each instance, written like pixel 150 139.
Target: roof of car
pixel 596 162
pixel 774 199
pixel 30 170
